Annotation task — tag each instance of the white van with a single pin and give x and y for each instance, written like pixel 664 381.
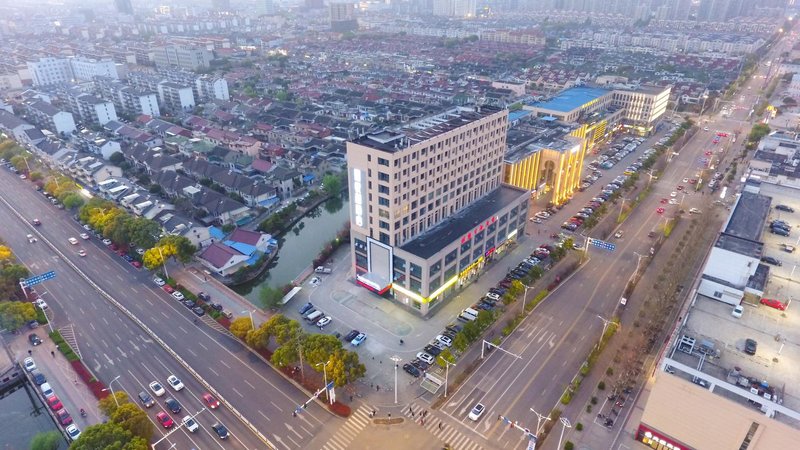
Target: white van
pixel 471 312
pixel 313 317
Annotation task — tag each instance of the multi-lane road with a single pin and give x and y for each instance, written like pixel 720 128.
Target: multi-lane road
pixel 114 345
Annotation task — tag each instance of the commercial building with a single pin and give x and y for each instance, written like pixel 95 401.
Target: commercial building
pixel 50 118
pixel 428 208
pixel 191 57
pixel 642 106
pixel 343 17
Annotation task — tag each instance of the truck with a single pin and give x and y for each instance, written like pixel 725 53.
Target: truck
pixel 322 269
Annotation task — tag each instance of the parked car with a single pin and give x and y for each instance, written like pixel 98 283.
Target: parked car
pixel 411 370
pixel 772 303
pixel 55 403
pixel 425 357
pixel 771 260
pixel 304 309
pixel 750 346
pixel 784 208
pixel 33 338
pixel 29 364
pixel 63 417
pixel 358 340
pixel 351 335
pixel 73 432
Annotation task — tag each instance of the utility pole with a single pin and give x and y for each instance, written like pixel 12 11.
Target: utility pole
pixel 396 360
pixel 565 424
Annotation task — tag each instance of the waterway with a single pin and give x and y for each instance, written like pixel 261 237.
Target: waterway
pixel 22 416
pixel 300 245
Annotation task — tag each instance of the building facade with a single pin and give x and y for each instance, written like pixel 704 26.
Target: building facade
pixel 175 96
pixel 86 69
pixel 49 117
pixel 428 208
pixel 191 57
pixel 643 106
pixel 47 71
pixel 90 109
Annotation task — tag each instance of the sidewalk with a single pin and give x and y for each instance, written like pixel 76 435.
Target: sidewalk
pixel 72 392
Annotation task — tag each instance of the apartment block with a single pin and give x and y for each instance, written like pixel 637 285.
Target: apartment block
pixel 87 68
pixel 127 98
pixel 47 71
pixel 428 209
pixel 48 117
pixel 10 81
pixel 90 109
pixel 175 96
pixel 191 57
pixel 209 88
pixel 342 17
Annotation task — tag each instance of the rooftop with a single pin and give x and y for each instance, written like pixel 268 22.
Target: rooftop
pixel 425 128
pixel 571 99
pixel 442 235
pixel 748 216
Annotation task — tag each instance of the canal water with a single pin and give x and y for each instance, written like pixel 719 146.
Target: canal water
pixel 300 245
pixel 20 420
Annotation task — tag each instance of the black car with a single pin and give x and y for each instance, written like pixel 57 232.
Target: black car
pixel 498 290
pixel 449 334
pixel 454 327
pixel 216 306
pixel 34 339
pixel 188 303
pixel 173 405
pixel 771 260
pixel 433 350
pixel 750 346
pixel 220 429
pixel 304 309
pixel 419 364
pixel 146 399
pixel 38 377
pixel 199 311
pixel 784 208
pixel 411 370
pixel 203 296
pixel 351 335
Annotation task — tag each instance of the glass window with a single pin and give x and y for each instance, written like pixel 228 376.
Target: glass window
pixel 436 267
pixel 434 284
pixel 503 219
pixel 450 272
pixel 489 243
pixel 490 229
pixel 466 246
pixel 361 261
pixel 416 271
pixel 360 245
pixel 399 264
pixel 383 201
pixel 477 253
pixel 464 263
pixel 383 162
pixel 450 257
pixel 479 236
pixel 415 285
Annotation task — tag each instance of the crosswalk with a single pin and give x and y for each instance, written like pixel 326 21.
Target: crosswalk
pixel 352 427
pixel 447 433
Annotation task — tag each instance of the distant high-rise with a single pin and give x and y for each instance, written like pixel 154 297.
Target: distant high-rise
pixel 270 7
pixel 221 5
pixel 124 6
pixel 314 4
pixel 343 17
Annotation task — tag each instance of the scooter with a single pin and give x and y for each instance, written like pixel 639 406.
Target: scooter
pixel 83 413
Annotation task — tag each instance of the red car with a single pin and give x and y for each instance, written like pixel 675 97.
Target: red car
pixel 680 187
pixel 55 403
pixel 693 181
pixel 210 401
pixel 63 417
pixel 709 153
pixel 168 289
pixel 664 201
pixel 164 419
pixel 772 303
pixel 721 134
pixel 660 210
pixel 113 247
pixel 136 264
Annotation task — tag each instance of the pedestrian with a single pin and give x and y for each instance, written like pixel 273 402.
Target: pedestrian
pixel 351 398
pixel 29 352
pixel 441 426
pixel 377 387
pixel 412 413
pixel 52 353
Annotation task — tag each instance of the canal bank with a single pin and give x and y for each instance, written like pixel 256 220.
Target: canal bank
pixel 299 245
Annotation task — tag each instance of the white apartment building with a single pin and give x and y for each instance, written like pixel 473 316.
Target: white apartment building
pixel 211 88
pixel 50 118
pixel 175 96
pixel 91 109
pixel 127 98
pixel 190 57
pixel 87 68
pixel 428 209
pixel 49 70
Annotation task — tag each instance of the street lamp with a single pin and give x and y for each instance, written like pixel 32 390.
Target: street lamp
pixel 565 424
pixel 163 261
pixel 325 378
pixel 524 298
pixel 112 390
pixel 252 324
pixel 396 360
pixel 540 421
pixel 606 323
pixel 621 208
pixel 446 370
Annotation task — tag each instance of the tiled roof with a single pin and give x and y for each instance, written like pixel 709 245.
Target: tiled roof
pixel 219 254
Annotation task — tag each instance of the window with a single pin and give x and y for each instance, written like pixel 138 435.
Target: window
pixel 451 272
pixel 360 245
pixel 382 176
pixel 383 189
pixel 415 285
pixel 399 264
pixel 477 253
pixel 383 162
pixel 361 261
pixel 466 246
pixel 416 271
pixel 383 201
pixel 479 236
pixel 503 219
pixel 383 225
pixel 435 268
pixel 490 229
pixel 450 257
pixel 384 238
pixel 464 263
pixel 717 294
pixel 434 284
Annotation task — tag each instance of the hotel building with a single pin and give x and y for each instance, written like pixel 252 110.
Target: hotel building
pixel 428 208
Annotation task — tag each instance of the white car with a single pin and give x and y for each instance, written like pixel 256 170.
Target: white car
pixel 673 194
pixel 618 234
pixel 175 382
pixel 29 364
pixel 316 281
pixel 107 241
pixel 73 431
pixel 476 412
pixel 190 424
pixel 84 236
pixel 178 295
pixel 427 358
pixel 73 241
pixel 685 180
pixel 444 340
pixel 81 252
pixel 87 227
pixel 493 296
pixel 157 389
pixel 41 304
pixel 324 321
pixel 158 281
pixel 695 211
pixel 737 312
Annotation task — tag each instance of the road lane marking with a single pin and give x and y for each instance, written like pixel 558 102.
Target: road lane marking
pixel 91 324
pixel 214 371
pixel 239 393
pixel 133 289
pixel 223 363
pixel 264 415
pixel 182 329
pixel 248 383
pixel 206 348
pixel 276 406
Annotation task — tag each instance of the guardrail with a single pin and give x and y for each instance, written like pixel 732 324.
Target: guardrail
pixel 146 329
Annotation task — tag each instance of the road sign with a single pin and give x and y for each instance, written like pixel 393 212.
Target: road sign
pixel 602 244
pixel 34 280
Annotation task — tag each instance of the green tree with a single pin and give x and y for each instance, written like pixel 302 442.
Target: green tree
pixel 116 158
pixel 108 436
pixel 184 250
pixel 332 184
pixel 36 175
pixel 108 406
pixel 134 419
pixel 143 231
pixel 19 162
pixel 345 367
pixel 240 326
pixel 446 355
pixel 270 297
pixel 318 348
pixel 45 441
pixel 9 279
pixel 516 288
pixel 16 314
pixel 285 356
pixel 461 341
pixel 72 201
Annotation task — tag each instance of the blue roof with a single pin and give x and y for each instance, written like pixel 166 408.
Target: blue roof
pixel 572 98
pixel 516 115
pixel 216 233
pixel 245 249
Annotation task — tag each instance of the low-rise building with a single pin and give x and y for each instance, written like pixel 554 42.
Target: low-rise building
pixel 90 109
pixel 49 117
